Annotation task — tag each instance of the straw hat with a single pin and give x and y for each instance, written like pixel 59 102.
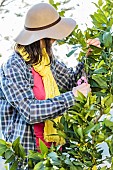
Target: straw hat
pixel 43 21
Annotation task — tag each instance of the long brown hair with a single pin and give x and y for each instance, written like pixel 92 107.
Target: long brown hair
pixel 34 51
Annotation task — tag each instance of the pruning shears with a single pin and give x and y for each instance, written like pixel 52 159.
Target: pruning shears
pixel 83 79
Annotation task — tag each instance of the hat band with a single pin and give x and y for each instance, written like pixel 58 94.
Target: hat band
pixel 43 27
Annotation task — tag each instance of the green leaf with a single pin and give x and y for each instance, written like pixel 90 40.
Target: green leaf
pixel 100 2
pixel 72 167
pixel 61 13
pixel 16 142
pixel 51 2
pixel 62 120
pixel 107 39
pixel 70 53
pixel 91 127
pixel 67 161
pixel 101 63
pixel 111 22
pixel 100 80
pixel 99 19
pixel 80 97
pixel 8 153
pixel 30 164
pixel 54 158
pixel 108 101
pixel 3 149
pixel 60 126
pixel 100 71
pixel 100 138
pixel 74 48
pixel 15 146
pixel 80 132
pixel 71 112
pixel 3 142
pixel 53 155
pixel 14 165
pixel 61 134
pixel 22 151
pixel 11 159
pixel 108 123
pixel 35 156
pixel 106 110
pixel 43 147
pixel 39 166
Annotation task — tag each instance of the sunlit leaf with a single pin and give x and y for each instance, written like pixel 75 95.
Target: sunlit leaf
pixel 39 166
pixel 43 147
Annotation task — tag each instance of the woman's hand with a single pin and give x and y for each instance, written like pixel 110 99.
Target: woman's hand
pixel 84 88
pixel 95 42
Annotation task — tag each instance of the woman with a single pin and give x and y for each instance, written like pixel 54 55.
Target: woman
pixel 31 78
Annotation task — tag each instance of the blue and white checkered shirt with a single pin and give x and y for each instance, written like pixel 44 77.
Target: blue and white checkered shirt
pixel 19 109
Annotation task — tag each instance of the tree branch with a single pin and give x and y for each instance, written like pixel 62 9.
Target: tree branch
pixel 5 2
pixel 97 119
pixel 2 3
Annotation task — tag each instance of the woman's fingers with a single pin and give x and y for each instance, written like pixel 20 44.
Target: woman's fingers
pixel 95 42
pixel 84 88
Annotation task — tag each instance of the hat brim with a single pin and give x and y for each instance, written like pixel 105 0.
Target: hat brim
pixel 59 31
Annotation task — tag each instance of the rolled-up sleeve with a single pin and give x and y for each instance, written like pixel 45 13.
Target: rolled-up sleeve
pixel 19 94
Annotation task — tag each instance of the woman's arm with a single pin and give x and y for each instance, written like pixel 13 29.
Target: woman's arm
pixel 19 94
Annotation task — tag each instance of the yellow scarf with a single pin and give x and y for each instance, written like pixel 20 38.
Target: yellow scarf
pixel 51 90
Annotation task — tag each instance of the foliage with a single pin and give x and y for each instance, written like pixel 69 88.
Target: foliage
pixel 12 152
pixel 88 123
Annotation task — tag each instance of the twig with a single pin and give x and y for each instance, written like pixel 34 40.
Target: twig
pixel 3 1
pixel 101 113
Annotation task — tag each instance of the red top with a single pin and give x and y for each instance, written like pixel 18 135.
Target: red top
pixel 39 93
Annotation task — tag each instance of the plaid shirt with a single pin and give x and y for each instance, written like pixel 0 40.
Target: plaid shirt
pixel 19 109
